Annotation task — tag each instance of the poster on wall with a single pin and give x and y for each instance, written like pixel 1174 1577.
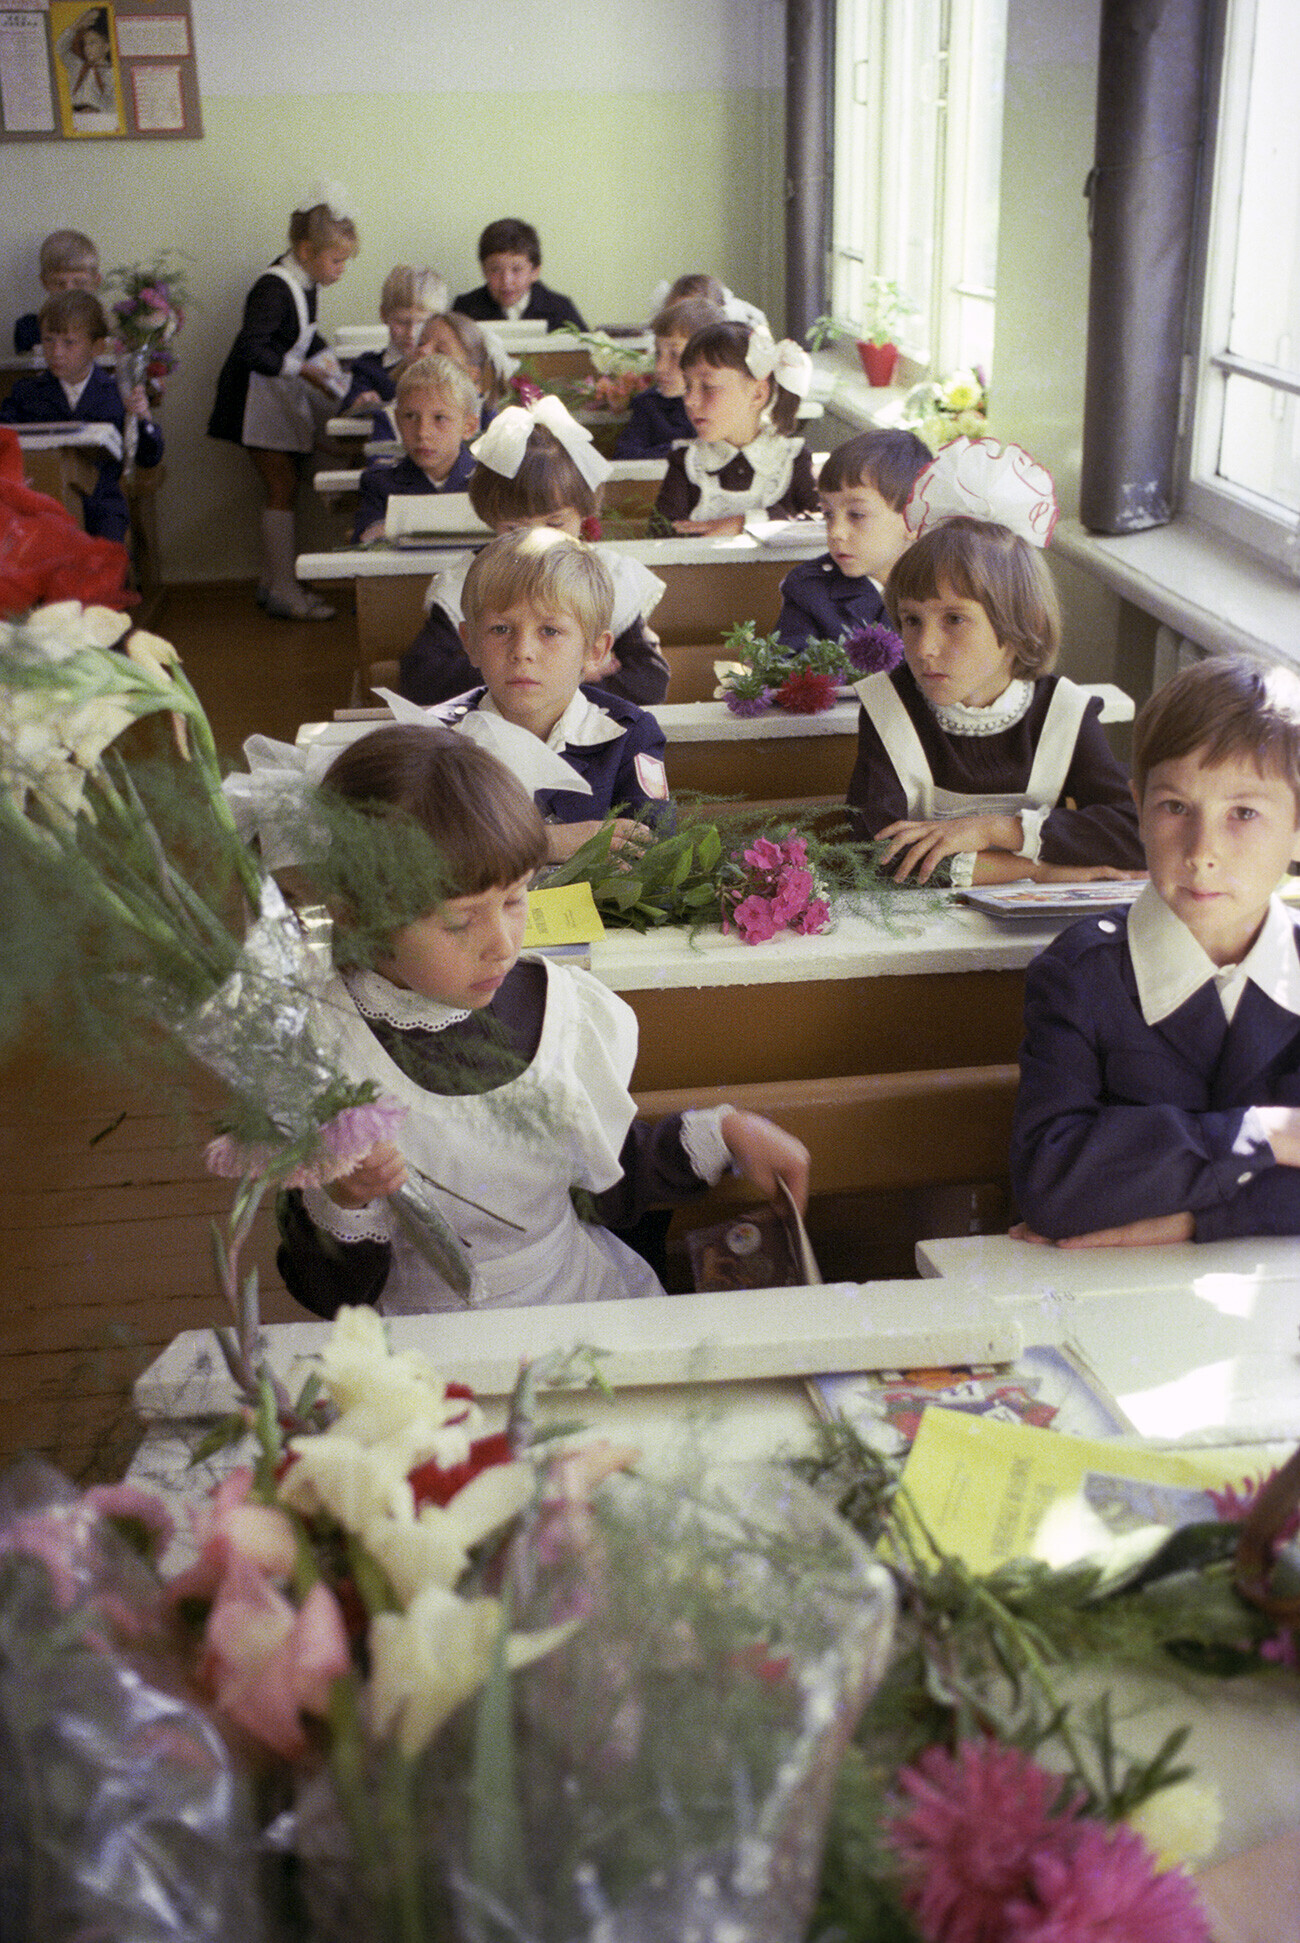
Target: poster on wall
pixel 122 71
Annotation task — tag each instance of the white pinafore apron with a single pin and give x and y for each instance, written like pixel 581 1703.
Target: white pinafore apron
pixel 516 1151
pixel 281 414
pixel 1051 764
pixel 772 458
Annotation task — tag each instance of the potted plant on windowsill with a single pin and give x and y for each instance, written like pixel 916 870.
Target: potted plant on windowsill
pixel 885 309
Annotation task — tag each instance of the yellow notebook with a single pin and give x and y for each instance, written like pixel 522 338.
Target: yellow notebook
pixel 565 915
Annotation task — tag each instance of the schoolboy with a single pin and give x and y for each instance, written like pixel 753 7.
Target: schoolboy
pixel 1160 1074
pixel 407 301
pixel 537 608
pixel 657 418
pixel 73 386
pixel 863 487
pixel 436 413
pixel 69 261
pixel 510 252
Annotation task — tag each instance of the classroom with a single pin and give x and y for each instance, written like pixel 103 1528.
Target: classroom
pixel 642 141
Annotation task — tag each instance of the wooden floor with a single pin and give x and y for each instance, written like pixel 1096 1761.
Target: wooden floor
pixel 104 1203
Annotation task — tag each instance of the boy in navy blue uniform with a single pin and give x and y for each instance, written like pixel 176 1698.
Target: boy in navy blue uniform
pixel 510 252
pixel 407 301
pixel 863 487
pixel 1160 1074
pixel 436 413
pixel 657 418
pixel 74 387
pixel 69 261
pixel 537 608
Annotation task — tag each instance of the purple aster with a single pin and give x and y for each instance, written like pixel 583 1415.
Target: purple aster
pixel 873 649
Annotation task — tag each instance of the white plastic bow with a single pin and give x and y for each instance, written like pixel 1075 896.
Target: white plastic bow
pixel 329 195
pixel 787 362
pixel 986 479
pixel 525 755
pixel 501 448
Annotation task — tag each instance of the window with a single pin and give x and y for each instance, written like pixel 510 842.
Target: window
pixel 918 139
pixel 1244 450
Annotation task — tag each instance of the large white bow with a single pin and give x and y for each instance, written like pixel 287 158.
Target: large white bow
pixel 787 362
pixel 330 195
pixel 498 357
pixel 986 479
pixel 501 448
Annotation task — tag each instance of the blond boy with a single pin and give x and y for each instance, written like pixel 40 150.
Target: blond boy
pixel 436 410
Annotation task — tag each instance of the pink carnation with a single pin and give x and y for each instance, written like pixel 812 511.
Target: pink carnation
pixel 1106 1890
pixel 340 1144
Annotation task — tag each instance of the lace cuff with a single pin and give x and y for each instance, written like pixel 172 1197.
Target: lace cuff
pixel 1031 826
pixel 961 870
pixel 347 1224
pixel 702 1140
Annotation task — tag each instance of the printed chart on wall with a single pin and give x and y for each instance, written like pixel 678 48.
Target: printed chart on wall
pixel 69 72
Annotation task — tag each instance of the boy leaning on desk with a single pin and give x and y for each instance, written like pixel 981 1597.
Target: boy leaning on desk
pixel 1160 1073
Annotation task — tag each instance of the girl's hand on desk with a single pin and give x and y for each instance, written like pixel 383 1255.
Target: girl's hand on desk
pixel 766 1154
pixel 718 529
pixel 562 839
pixel 1155 1231
pixel 382 1172
pixel 920 845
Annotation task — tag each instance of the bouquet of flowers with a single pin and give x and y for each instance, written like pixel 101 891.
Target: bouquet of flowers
pixel 128 886
pixel 148 316
pixel 349 1633
pixel 621 371
pixel 779 892
pixel 765 673
pixel 942 409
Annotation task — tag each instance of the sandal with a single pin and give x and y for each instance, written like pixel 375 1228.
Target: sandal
pixel 308 607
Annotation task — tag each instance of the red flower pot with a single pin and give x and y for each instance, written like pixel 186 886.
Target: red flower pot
pixel 878 361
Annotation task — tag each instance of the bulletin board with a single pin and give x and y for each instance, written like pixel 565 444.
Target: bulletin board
pixel 124 71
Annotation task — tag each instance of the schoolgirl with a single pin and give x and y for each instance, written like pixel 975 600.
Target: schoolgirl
pixel 742 399
pixel 513 1071
pixel 478 351
pixel 536 466
pixel 280 382
pixel 971 756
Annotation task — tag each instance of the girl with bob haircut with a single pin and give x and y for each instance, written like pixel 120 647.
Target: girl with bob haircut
pixel 742 399
pixel 482 356
pixel 536 466
pixel 971 755
pixel 280 382
pixel 513 1070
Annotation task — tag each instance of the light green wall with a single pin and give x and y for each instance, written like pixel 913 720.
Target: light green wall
pixel 624 189
pixel 1043 266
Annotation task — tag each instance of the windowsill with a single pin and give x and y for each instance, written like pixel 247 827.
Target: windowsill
pixel 840 386
pixel 1196 581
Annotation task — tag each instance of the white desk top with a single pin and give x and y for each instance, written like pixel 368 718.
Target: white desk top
pixel 1019 1269
pixel 380 563
pixel 680 722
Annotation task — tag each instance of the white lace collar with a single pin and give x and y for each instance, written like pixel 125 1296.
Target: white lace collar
pixel 1011 706
pixel 763 452
pixel 376 997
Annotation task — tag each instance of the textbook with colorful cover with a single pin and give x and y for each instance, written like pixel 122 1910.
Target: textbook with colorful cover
pixel 1026 899
pixel 1048 1386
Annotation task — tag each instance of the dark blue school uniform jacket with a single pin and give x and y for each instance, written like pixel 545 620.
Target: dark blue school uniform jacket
pixel 550 307
pixel 654 426
pixel 1117 1120
pixel 609 767
pixel 436 667
pixel 370 373
pixel 819 603
pixel 401 476
pixel 27 332
pixel 41 400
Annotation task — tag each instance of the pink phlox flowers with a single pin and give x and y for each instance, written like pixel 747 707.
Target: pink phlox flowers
pixel 267 1662
pixel 779 895
pixel 753 919
pixel 994 1849
pixel 793 893
pixel 873 648
pixel 1107 1889
pixel 764 855
pixel 230 1526
pixel 340 1143
pixel 814 919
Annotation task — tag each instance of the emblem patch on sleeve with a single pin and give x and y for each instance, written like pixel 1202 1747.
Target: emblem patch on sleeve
pixel 651 775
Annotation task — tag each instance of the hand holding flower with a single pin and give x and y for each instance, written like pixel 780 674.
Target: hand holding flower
pixel 380 1173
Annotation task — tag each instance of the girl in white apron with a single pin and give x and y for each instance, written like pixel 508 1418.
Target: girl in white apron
pixel 280 382
pixel 513 1074
pixel 742 397
pixel 973 761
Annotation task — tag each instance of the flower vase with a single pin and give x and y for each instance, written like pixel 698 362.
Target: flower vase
pixel 132 368
pixel 878 361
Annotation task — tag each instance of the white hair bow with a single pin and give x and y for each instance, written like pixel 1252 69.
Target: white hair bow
pixel 985 479
pixel 328 195
pixel 272 802
pixel 501 448
pixel 787 362
pixel 498 357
